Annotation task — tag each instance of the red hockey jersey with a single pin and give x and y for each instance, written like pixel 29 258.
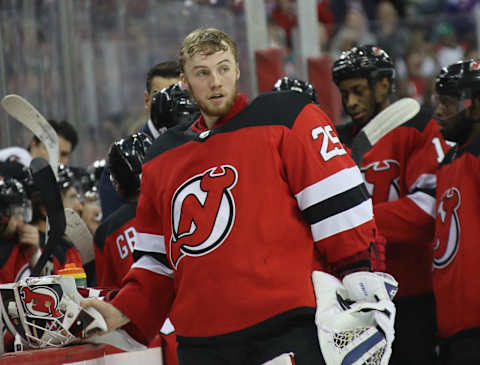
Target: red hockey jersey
pixel 457 231
pixel 14 259
pixel 114 241
pixel 229 219
pixel 399 172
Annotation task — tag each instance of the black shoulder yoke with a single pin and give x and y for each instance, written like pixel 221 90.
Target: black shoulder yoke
pixel 113 222
pixel 420 120
pixel 271 108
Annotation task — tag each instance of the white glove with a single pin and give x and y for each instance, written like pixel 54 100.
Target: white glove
pixel 356 332
pixel 380 288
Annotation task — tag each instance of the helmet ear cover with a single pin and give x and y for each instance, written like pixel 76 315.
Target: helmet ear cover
pixel 46 312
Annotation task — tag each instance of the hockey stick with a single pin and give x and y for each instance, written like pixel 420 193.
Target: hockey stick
pixel 389 118
pixel 20 109
pixel 46 183
pixel 78 232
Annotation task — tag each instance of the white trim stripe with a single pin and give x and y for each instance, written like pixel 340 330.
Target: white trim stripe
pixel 150 243
pixel 149 263
pixel 343 221
pixel 425 181
pixel 335 184
pixel 424 201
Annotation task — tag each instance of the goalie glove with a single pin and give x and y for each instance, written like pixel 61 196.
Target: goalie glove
pixel 376 287
pixel 349 331
pixel 303 87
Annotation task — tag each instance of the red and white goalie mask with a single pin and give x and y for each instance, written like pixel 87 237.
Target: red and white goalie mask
pixel 46 312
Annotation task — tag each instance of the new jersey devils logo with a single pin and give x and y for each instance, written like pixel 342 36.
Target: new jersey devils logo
pixel 381 179
pixel 40 301
pixel 203 212
pixel 447 229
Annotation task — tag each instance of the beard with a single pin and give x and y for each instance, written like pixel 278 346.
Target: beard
pixel 216 111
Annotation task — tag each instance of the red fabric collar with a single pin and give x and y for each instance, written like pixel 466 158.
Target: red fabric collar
pixel 241 102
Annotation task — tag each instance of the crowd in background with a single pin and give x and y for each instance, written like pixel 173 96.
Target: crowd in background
pixel 114 42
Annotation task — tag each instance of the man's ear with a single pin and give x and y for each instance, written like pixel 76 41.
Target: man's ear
pixel 184 82
pixel 382 87
pixel 146 100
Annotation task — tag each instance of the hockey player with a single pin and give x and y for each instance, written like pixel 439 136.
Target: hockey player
pixel 456 255
pixel 399 174
pixel 116 236
pixel 232 212
pixel 19 240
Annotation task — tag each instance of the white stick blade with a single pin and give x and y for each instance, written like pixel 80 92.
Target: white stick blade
pixel 391 117
pixel 20 109
pixel 79 234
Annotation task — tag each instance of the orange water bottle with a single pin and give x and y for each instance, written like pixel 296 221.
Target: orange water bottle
pixel 77 272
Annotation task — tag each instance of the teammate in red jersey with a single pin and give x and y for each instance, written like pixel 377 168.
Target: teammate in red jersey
pixel 231 214
pixel 399 172
pixel 456 254
pixel 116 236
pixel 19 240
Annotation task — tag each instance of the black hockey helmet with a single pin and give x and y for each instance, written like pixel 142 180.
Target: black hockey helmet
pixel 171 106
pixel 304 87
pixel 461 78
pixel 367 61
pixel 13 201
pixel 125 159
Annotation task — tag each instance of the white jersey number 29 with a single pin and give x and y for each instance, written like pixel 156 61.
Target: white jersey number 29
pixel 331 145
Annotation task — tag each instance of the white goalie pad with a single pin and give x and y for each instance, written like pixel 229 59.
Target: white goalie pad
pixel 45 312
pixel 347 330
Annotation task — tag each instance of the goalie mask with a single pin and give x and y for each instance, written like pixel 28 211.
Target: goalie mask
pixel 46 312
pixel 348 331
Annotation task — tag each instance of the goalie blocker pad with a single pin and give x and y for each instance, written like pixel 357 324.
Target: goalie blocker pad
pixel 348 331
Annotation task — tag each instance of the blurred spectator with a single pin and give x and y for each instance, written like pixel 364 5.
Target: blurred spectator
pixel 354 32
pixel 415 74
pixel 448 49
pixel 391 36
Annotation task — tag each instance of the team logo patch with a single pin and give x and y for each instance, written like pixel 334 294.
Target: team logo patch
pixel 203 213
pixel 382 180
pixel 40 301
pixel 448 229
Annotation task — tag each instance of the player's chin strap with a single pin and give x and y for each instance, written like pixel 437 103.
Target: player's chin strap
pixel 355 318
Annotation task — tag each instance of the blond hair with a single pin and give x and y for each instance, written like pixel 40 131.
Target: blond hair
pixel 206 41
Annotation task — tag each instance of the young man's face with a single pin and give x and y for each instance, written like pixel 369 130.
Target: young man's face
pixel 357 99
pixel 158 83
pixel 212 80
pixel 450 111
pixel 64 150
pixel 71 199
